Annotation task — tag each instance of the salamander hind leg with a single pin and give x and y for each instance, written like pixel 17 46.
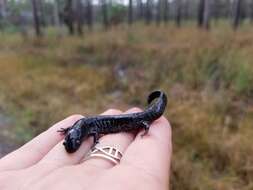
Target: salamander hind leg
pixel 145 125
pixel 95 136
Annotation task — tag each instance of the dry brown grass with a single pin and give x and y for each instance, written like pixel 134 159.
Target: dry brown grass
pixel 207 75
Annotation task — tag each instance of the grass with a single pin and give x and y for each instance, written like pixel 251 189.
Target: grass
pixel 207 75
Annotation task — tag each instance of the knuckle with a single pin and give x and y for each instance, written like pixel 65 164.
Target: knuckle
pixel 135 109
pixel 75 117
pixel 113 110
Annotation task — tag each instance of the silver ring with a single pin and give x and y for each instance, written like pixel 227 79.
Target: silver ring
pixel 109 153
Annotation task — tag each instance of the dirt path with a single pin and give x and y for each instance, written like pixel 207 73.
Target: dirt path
pixel 6 144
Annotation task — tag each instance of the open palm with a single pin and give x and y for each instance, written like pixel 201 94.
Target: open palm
pixel 43 162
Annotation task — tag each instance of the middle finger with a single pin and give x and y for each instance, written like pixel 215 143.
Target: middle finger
pixel 119 140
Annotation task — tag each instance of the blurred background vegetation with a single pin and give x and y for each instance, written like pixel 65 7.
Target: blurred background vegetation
pixel 64 57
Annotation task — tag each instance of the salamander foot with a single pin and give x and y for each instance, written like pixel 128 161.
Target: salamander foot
pixel 146 127
pixel 64 131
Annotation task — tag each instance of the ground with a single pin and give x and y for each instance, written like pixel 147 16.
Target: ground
pixel 6 143
pixel 207 76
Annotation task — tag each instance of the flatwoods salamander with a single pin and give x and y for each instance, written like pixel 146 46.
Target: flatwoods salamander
pixel 103 124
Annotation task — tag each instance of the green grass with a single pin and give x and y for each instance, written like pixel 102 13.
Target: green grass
pixel 208 77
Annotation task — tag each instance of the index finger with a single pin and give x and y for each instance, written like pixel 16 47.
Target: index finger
pixel 33 151
pixel 152 152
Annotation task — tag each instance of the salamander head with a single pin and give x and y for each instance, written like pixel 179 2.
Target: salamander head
pixel 72 140
pixel 74 137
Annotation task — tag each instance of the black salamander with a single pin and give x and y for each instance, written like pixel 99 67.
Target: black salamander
pixel 105 124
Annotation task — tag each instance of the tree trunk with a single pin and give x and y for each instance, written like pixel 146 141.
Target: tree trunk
pixel 237 13
pixel 216 10
pixel 36 19
pixel 41 13
pixel 104 13
pixel 178 13
pixel 130 12
pixel 56 16
pixel 158 12
pixel 206 15
pixel 201 10
pixel 166 11
pixel 3 11
pixel 79 17
pixel 229 5
pixel 251 11
pixel 148 12
pixel 89 14
pixel 69 16
pixel 140 9
pixel 186 10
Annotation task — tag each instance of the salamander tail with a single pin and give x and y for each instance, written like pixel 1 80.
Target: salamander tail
pixel 157 101
pixel 157 94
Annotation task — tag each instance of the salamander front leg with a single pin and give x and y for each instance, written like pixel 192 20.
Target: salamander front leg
pixel 146 127
pixel 64 131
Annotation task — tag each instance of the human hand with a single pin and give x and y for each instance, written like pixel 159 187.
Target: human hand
pixel 43 162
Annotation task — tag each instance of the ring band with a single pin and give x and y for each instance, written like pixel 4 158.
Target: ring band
pixel 109 153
